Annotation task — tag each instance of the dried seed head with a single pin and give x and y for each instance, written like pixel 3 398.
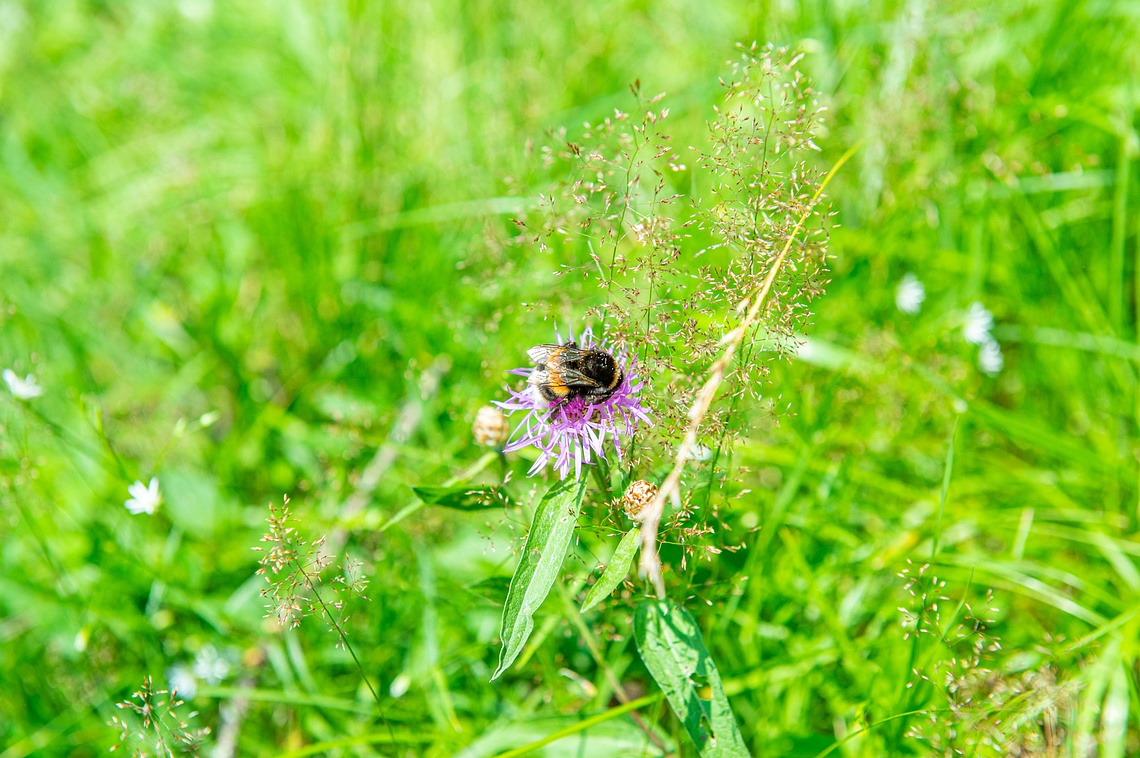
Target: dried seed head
pixel 638 496
pixel 490 427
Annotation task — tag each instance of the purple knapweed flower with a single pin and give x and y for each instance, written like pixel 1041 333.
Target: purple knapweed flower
pixel 572 432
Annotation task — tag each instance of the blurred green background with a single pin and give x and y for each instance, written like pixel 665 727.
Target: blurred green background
pixel 278 213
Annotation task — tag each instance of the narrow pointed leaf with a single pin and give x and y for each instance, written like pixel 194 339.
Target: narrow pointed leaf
pixel 538 568
pixel 464 497
pixel 670 644
pixel 617 570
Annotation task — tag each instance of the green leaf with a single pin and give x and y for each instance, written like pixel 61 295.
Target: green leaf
pixel 616 570
pixel 670 644
pixel 542 556
pixel 464 497
pixel 492 589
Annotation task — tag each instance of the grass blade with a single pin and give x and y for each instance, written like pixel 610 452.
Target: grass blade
pixel 1114 715
pixel 617 570
pixel 949 468
pixel 670 644
pixel 582 726
pixel 545 548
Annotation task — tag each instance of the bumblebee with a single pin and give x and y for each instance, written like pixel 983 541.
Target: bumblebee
pixel 564 372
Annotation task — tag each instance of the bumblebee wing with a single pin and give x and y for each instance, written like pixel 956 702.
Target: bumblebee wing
pixel 558 376
pixel 549 383
pixel 572 378
pixel 541 377
pixel 540 354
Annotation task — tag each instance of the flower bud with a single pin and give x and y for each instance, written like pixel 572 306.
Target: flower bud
pixel 490 428
pixel 639 495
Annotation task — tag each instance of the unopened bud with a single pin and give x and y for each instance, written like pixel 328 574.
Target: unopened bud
pixel 639 495
pixel 490 427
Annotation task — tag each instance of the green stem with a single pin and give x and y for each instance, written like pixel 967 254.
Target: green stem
pixel 344 641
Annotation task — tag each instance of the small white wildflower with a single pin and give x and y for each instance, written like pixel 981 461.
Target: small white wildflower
pixel 210 666
pixel 23 389
pixel 979 321
pixel 910 294
pixel 990 359
pixel 182 681
pixel 144 498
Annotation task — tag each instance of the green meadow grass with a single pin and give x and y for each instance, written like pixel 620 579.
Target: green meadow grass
pixel 245 249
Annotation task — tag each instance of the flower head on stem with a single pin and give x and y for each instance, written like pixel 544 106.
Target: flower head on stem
pixel 573 431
